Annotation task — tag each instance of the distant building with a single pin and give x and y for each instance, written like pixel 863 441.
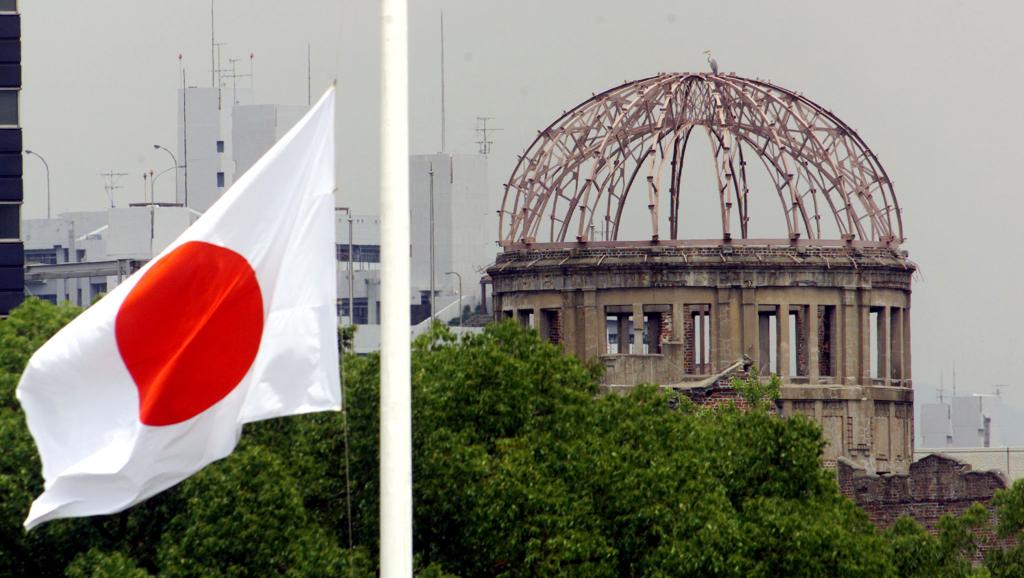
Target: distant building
pixel 12 287
pixel 77 256
pixel 205 126
pixel 964 422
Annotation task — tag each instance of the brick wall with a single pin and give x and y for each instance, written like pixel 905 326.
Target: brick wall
pixel 936 485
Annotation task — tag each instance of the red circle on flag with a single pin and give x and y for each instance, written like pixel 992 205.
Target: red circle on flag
pixel 189 331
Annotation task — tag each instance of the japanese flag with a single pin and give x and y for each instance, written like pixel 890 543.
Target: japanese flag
pixel 235 321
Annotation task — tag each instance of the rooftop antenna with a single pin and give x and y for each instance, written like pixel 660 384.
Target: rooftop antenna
pixel 219 72
pixel 110 185
pixel 234 76
pixel 443 122
pixel 999 387
pixel 252 75
pixel 213 50
pixel 483 131
pixel 941 387
pixel 309 76
pixel 954 378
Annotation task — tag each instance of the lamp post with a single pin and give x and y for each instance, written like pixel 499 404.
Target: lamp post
pixel 157 176
pixel 460 294
pixel 47 165
pixel 351 285
pixel 176 167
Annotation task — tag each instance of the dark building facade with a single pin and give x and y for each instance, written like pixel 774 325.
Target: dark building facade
pixel 12 251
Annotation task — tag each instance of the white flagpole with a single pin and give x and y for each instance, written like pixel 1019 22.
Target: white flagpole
pixel 395 410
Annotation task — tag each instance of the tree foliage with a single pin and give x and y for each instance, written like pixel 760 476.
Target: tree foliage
pixel 520 469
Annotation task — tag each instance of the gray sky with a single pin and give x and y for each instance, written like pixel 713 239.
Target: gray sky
pixel 932 86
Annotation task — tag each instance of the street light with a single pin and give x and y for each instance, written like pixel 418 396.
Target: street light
pixel 176 166
pixel 157 176
pixel 351 286
pixel 460 293
pixel 47 165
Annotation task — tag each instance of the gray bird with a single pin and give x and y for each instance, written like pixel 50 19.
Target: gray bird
pixel 712 62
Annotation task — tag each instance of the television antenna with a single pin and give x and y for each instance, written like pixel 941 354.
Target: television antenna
pixel 110 179
pixel 483 131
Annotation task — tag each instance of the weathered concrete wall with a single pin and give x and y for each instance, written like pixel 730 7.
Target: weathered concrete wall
pixel 677 313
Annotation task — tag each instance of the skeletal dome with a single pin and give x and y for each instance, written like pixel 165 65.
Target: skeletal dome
pixel 632 139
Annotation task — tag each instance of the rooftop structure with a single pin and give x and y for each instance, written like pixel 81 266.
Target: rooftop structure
pixel 824 303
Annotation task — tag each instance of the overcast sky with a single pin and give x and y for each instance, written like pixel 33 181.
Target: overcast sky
pixel 933 87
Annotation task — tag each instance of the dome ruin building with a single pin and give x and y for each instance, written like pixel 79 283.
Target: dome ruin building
pixel 824 303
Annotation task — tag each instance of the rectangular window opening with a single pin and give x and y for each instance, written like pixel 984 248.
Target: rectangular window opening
pixel 220 180
pixel 896 343
pixel 657 327
pixel 525 317
pixel 220 146
pixel 697 338
pixel 826 340
pixel 874 343
pixel 619 329
pixel 768 339
pixel 798 335
pixel 551 325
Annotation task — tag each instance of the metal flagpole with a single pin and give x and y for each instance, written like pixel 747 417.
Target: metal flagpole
pixel 395 410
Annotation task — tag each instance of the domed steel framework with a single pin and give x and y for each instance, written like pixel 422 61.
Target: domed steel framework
pixel 576 176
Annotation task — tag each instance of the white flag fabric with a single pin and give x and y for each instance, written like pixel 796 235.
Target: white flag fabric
pixel 235 321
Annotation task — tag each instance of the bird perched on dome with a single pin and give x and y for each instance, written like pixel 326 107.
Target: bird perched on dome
pixel 712 62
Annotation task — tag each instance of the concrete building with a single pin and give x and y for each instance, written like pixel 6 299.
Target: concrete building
pixel 461 245
pixel 12 286
pixel 205 127
pixel 825 306
pixel 964 422
pixel 255 128
pixel 77 256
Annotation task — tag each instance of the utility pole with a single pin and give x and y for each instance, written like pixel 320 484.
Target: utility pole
pixel 431 173
pixel 444 144
pixel 351 285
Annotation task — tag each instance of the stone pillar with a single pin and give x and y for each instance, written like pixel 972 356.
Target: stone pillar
pixel 848 356
pixel 638 328
pixel 570 324
pixel 594 331
pixel 863 339
pixel 811 323
pixel 678 311
pixel 764 351
pixel 782 335
pixel 623 332
pixel 749 323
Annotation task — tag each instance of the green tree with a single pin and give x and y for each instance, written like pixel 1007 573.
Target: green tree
pixel 520 469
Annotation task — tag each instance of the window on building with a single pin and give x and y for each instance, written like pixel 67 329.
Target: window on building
pixel 8 107
pixel 360 253
pixel 41 256
pixel 220 180
pixel 220 146
pixel 48 297
pixel 97 288
pixel 79 255
pixel 360 310
pixel 8 5
pixel 9 221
